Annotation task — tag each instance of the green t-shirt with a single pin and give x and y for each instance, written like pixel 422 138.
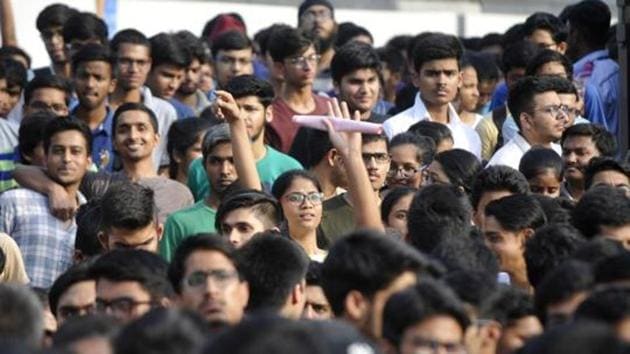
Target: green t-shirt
pixel 337 218
pixel 269 168
pixel 198 218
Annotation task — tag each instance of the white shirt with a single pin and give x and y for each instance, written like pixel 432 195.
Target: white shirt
pixel 166 115
pixel 464 137
pixel 512 152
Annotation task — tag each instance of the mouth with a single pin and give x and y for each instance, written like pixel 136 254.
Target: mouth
pixel 306 216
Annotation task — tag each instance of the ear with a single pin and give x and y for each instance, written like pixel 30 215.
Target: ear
pixel 159 231
pixel 297 294
pixel 279 66
pixel 103 239
pixel 77 256
pixel 243 293
pixel 460 79
pixel 526 235
pixel 525 120
pixel 562 47
pixel 490 334
pixel 268 114
pixel 333 157
pixel 177 157
pixel 355 306
pixel 112 85
pixel 166 302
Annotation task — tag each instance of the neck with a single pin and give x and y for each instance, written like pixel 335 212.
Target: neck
pixel 534 140
pixel 519 279
pixel 438 113
pixel 323 176
pixel 467 117
pixel 135 170
pixel 188 100
pixel 93 117
pixel 575 188
pixel 307 239
pixel 213 201
pixel 62 69
pixel 278 85
pixel 121 96
pixel 299 97
pixel 258 147
pixel 326 59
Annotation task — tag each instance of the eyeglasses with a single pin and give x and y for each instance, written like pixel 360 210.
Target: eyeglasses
pixel 73 311
pixel 406 171
pixel 554 110
pixel 426 345
pixel 312 59
pixel 122 306
pixel 311 16
pixel 219 277
pixel 379 157
pixel 299 198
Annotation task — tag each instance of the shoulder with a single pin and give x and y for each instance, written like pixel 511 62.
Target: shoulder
pixel 279 157
pixel 191 212
pixel 19 195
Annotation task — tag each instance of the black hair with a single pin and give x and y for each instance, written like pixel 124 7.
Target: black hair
pixel 603 164
pixel 84 327
pixel 182 135
pixel 601 206
pixel 391 198
pixel 548 56
pixel 466 254
pixel 92 52
pixel 194 243
pixel 195 46
pixel 591 18
pixel 288 42
pixel 128 206
pixel 54 15
pixel 517 212
pixel 368 261
pixel 437 213
pixel 31 133
pixel 518 55
pixel 14 73
pixel 555 211
pixel 604 140
pixel 564 86
pixel 507 305
pixel 610 305
pixel 595 250
pixel 576 337
pixel 249 85
pixel 351 57
pixel 548 248
pixel 63 124
pixel 435 46
pixel 89 221
pixel 460 166
pixel 614 269
pixel 471 286
pixel 263 205
pixel 434 130
pixel 424 145
pixel 314 274
pixel 262 37
pixel 84 26
pixel 47 81
pixel 147 269
pixel 490 39
pixel 498 178
pixel 132 106
pixel 129 36
pixel 539 160
pixel 76 274
pixel 392 58
pixel 166 49
pixel 231 40
pixel 346 31
pixel 521 94
pixel 285 180
pixel 419 303
pixel 485 65
pixel 545 21
pixel 22 316
pixel 272 265
pixel 319 145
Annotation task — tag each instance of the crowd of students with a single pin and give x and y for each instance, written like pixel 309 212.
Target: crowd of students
pixel 156 195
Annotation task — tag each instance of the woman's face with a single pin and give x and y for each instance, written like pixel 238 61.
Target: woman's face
pixel 302 205
pixel 405 169
pixel 435 174
pixel 397 218
pixel 546 183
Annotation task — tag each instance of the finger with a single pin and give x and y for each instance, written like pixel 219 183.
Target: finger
pixel 337 109
pixel 330 109
pixel 345 111
pixel 357 115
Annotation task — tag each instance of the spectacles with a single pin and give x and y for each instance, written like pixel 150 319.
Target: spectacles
pixel 219 277
pixel 299 198
pixel 554 110
pixel 425 345
pixel 311 16
pixel 312 59
pixel 73 311
pixel 122 306
pixel 405 171
pixel 379 157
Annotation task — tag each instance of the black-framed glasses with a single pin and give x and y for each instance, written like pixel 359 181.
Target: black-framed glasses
pixel 301 61
pixel 299 198
pixel 405 171
pixel 219 277
pixel 379 157
pixel 122 305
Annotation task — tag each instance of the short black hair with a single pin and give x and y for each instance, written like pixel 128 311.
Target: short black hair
pixel 485 65
pixel 522 92
pixel 604 140
pixel 85 327
pixel 272 265
pixel 195 46
pixel 262 37
pixel 314 274
pixel 576 337
pixel 614 269
pixel 517 212
pixel 146 268
pixel 346 31
pixel 76 274
pixel 368 261
pixel 31 133
pixel 351 57
pixel 167 50
pixel 262 205
pixel 472 287
pixel 548 56
pixel 89 220
pixel 47 81
pixel 598 249
pixel 230 40
pixel 250 85
pixel 602 164
pixel 129 206
pixel 133 106
pixel 392 58
pixel 601 206
pixel 434 130
pixel 591 18
pixel 417 304
pixel 63 124
pixel 92 52
pixel 14 73
pixel 425 146
pixel 610 305
pixel 435 46
pixel 545 21
pixel 508 305
pixel 539 160
pixel 512 35
pixel 466 253
pixel 84 26
pixel 288 42
pixel 498 178
pixel 460 166
pixel 129 36
pixel 182 135
pixel 198 242
pixel 517 55
pixel 391 198
pixel 555 210
pixel 22 321
pixel 548 248
pixel 54 15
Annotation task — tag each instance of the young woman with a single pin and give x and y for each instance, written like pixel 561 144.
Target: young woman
pixel 457 167
pixel 543 169
pixel 468 96
pixel 184 145
pixel 394 208
pixel 409 153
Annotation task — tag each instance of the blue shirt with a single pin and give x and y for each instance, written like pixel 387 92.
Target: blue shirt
pixel 183 110
pixel 499 97
pixel 102 144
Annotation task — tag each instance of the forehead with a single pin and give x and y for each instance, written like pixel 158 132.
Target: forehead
pixel 552 68
pixel 48 94
pixel 206 260
pixel 236 53
pixel 241 215
pixel 610 176
pixel 94 66
pixel 68 138
pixel 404 152
pixel 469 73
pixel 317 9
pixel 578 141
pixel 299 183
pixel 567 98
pixel 133 117
pixel 87 287
pixel 109 289
pixel 375 146
pixel 541 36
pixel 308 51
pixel 361 74
pixel 546 98
pixel 448 64
pixel 249 100
pixel 223 149
pixel 131 50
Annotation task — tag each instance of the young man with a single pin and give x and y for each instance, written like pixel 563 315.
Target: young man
pixel 83 28
pixel 296 58
pixel 242 214
pixel 47 93
pixel 46 242
pixel 604 211
pixel 608 172
pixel 540 116
pixel 12 83
pixel 73 294
pixel 169 60
pixel 233 53
pixel 435 60
pixel 132 51
pixel 580 144
pixel 254 97
pixel 50 23
pixel 129 283
pixel 208 279
pixel 546 31
pixel 188 92
pixel 93 79
pixel 316 306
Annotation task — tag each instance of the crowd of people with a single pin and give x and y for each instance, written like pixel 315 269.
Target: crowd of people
pixel 156 195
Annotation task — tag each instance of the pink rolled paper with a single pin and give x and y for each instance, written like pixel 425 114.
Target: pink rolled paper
pixel 340 124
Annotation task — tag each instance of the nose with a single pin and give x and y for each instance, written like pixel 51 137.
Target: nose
pixel 570 158
pixel 234 238
pixel 308 312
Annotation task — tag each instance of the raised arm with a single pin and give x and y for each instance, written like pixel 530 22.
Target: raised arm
pixel 7 19
pixel 244 161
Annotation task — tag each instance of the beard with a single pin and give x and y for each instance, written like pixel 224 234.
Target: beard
pixel 325 43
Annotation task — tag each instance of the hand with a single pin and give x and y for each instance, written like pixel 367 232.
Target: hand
pixel 61 204
pixel 344 142
pixel 227 108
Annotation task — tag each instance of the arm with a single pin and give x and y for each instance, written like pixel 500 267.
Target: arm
pixel 367 212
pixel 8 23
pixel 241 145
pixel 61 205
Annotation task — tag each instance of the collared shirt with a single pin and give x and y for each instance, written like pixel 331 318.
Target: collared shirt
pixel 102 144
pixel 47 243
pixel 166 115
pixel 510 129
pixel 512 152
pixel 464 137
pixel 185 111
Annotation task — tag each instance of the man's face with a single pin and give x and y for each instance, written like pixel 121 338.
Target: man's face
pixel 507 245
pixel 165 79
pixel 53 41
pixel 220 167
pixel 5 100
pixel 360 89
pixel 67 158
pixel 232 63
pixel 438 81
pixel 514 336
pixel 612 178
pixel 133 65
pixel 552 68
pixel 135 137
pixel 192 75
pixel 300 70
pixel 487 197
pixel 404 161
pixel 544 124
pixel 47 99
pixel 376 158
pixel 486 89
pixel 211 287
pixel 573 107
pixel 93 83
pixel 206 78
pixel 543 39
pixel 317 306
pixel 319 21
pixel 432 334
pixel 577 152
pixel 123 300
pixel 144 238
pixel 240 225
pixel 255 115
pixel 78 300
